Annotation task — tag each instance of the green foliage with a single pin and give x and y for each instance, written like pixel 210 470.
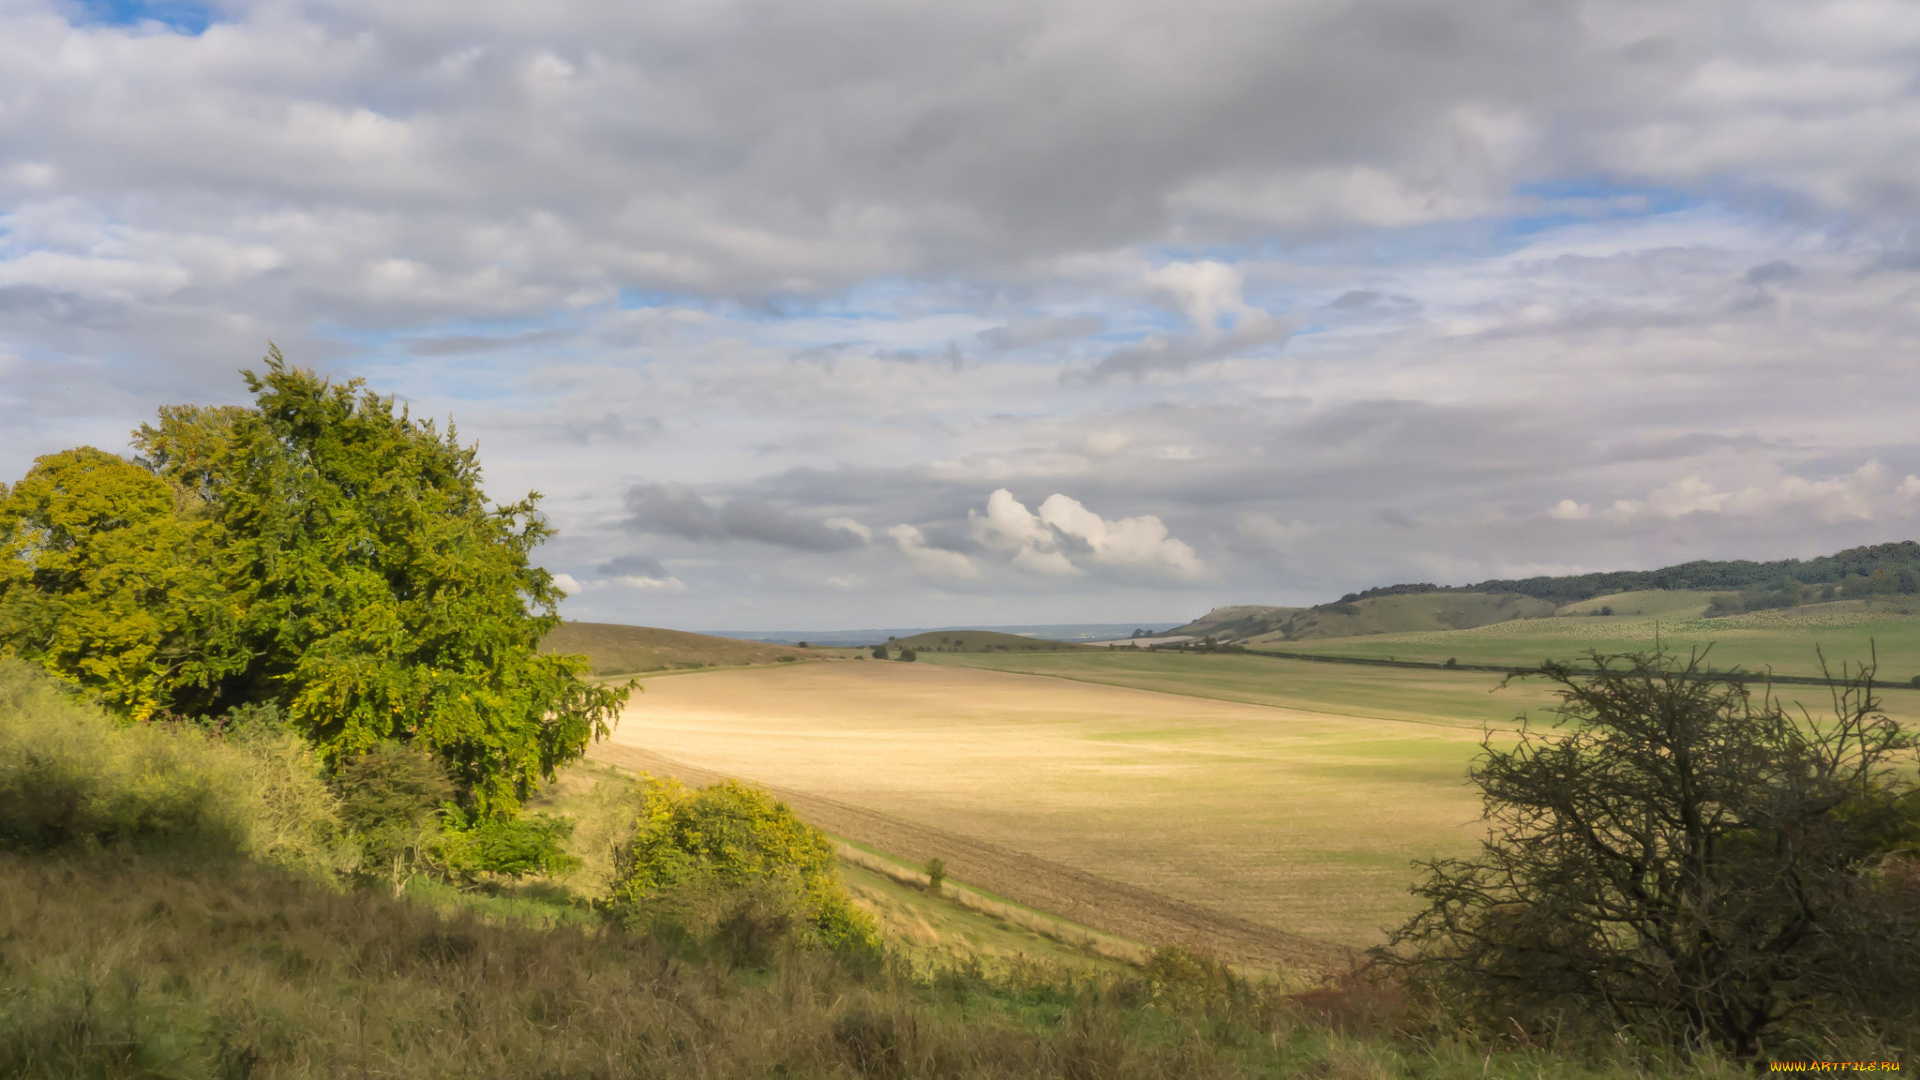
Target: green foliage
pixel 700 860
pixel 388 601
pixel 909 655
pixel 516 847
pixel 391 798
pixel 879 652
pixel 106 579
pixel 936 875
pixel 320 552
pixel 71 777
pixel 1675 859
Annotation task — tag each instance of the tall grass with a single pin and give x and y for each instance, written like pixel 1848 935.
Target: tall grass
pixel 70 777
pixel 116 965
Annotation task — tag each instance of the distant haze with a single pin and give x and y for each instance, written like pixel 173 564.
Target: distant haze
pixel 846 315
pixel 1069 632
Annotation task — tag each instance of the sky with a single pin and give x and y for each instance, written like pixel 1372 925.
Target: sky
pixel 856 313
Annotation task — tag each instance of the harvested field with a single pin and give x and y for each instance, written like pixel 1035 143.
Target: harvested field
pixel 1144 814
pixel 1088 899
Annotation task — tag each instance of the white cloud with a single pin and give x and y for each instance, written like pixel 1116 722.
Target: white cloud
pixel 1861 495
pixel 1568 510
pixel 1038 541
pixel 648 584
pixel 849 525
pixel 568 584
pixel 1207 291
pixel 934 562
pixel 1131 542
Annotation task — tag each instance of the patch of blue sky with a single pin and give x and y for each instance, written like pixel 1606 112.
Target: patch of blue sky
pixel 1561 203
pixel 179 16
pixel 636 299
pixel 493 364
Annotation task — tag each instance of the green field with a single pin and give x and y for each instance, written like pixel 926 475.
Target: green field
pixel 1444 698
pixel 1786 641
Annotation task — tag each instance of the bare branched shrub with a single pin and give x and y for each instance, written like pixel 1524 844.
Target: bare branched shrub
pixel 1675 857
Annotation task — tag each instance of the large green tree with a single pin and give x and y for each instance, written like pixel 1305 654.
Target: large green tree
pixel 107 578
pixel 323 551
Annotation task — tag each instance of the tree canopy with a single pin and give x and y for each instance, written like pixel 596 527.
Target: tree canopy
pixel 322 551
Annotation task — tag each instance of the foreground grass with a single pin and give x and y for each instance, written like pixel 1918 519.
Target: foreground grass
pixel 116 966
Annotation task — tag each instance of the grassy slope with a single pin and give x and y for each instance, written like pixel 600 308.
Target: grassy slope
pixel 1378 615
pixel 1237 621
pixel 1784 640
pixel 122 967
pixel 630 650
pixel 980 641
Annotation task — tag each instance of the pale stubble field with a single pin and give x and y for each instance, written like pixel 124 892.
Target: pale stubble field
pixel 1304 821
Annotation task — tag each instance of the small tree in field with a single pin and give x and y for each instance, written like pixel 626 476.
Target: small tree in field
pixel 1674 857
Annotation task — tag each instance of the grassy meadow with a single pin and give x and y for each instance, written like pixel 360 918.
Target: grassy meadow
pixel 1297 819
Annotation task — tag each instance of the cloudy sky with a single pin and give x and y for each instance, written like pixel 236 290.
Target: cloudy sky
pixel 855 313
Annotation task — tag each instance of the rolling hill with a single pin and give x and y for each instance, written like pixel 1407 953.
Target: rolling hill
pixel 612 649
pixel 980 641
pixel 1879 574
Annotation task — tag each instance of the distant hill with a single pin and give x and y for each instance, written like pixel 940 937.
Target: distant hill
pixel 1689 590
pixel 979 641
pixel 1377 615
pixel 1860 569
pixel 612 649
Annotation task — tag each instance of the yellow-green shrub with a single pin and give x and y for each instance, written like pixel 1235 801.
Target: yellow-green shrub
pixel 730 860
pixel 71 776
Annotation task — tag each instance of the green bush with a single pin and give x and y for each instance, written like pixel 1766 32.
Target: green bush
pixel 729 862
pixel 514 847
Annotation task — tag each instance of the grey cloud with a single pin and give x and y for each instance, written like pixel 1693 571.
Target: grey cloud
pixel 639 566
pixel 1770 272
pixel 450 161
pixel 678 511
pixel 612 428
pixel 1024 333
pixel 467 345
pixel 1183 351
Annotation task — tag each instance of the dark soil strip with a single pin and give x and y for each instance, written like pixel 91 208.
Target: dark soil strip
pixel 1110 906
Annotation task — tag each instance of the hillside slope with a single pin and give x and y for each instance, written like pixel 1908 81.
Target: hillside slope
pixel 613 649
pixel 1397 614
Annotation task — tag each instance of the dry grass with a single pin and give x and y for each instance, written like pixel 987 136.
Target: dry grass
pixel 1299 820
pixel 121 967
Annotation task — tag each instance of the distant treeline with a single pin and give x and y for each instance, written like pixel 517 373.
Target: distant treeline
pixel 1878 568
